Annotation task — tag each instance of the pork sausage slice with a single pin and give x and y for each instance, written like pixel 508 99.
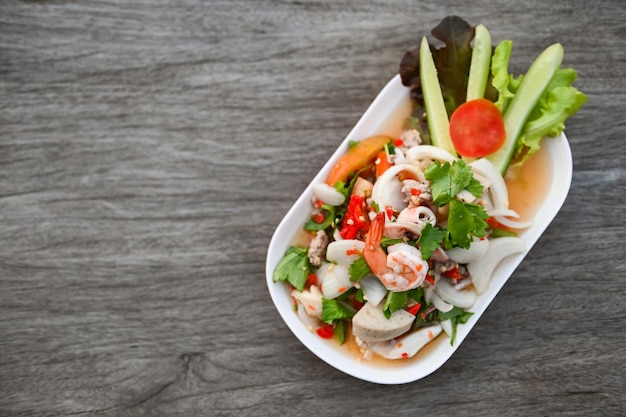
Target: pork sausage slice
pixel 371 325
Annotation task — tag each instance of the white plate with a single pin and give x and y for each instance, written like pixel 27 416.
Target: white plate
pixel 384 115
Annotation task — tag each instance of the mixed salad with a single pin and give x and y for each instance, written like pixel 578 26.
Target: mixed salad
pixel 405 232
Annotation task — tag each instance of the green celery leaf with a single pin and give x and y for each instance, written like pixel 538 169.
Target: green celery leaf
pixel 430 239
pixel 336 310
pixel 394 302
pixel 359 295
pixel 455 312
pixel 387 241
pixel 417 294
pixel 499 232
pixel 329 218
pixel 358 269
pixel 294 267
pixel 340 331
pixel 456 316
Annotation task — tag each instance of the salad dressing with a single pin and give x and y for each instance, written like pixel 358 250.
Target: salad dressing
pixel 354 350
pixel 529 184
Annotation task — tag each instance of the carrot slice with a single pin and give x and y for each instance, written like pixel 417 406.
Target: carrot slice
pixel 382 163
pixel 357 158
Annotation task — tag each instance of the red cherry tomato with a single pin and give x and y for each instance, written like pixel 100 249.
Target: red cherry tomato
pixel 477 128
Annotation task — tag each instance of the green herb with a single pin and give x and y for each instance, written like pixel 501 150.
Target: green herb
pixel 430 239
pixel 498 232
pixel 329 219
pixel 358 269
pixel 394 302
pixel 340 332
pixel 465 221
pixel 447 180
pixel 387 241
pixel 417 294
pixel 336 310
pixel 359 295
pixel 294 267
pixel 456 316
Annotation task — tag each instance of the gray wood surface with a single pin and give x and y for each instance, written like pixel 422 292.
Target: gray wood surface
pixel 149 149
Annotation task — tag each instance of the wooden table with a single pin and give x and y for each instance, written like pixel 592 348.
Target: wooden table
pixel 149 149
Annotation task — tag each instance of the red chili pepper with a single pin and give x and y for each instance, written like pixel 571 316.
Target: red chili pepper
pixel 355 219
pixel 398 142
pixel 493 223
pixel 415 309
pixel 415 192
pixel 319 218
pixel 430 279
pixel 389 211
pixel 326 331
pixel 453 273
pixel 311 280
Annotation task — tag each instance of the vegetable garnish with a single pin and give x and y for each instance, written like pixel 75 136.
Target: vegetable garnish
pixel 406 232
pixel 447 180
pixel 533 105
pixel 357 157
pixel 477 128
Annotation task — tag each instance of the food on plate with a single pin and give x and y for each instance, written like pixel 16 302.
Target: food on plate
pixel 405 232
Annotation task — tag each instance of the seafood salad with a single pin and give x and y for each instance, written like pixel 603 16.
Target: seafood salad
pixel 405 232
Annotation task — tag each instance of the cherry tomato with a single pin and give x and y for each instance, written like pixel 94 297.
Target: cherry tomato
pixel 477 128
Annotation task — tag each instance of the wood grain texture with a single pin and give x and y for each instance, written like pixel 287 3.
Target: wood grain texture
pixel 148 150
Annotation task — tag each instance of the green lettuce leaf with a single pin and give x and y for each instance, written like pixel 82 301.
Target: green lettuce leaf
pixel 559 102
pixel 504 82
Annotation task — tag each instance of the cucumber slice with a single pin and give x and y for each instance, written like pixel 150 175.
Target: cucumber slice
pixel 436 115
pixel 480 66
pixel 530 90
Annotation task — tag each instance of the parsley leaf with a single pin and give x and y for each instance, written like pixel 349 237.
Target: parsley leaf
pixel 358 269
pixel 294 267
pixel 336 310
pixel 465 221
pixel 429 240
pixel 447 180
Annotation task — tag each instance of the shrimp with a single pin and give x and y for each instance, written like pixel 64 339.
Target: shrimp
pixel 402 268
